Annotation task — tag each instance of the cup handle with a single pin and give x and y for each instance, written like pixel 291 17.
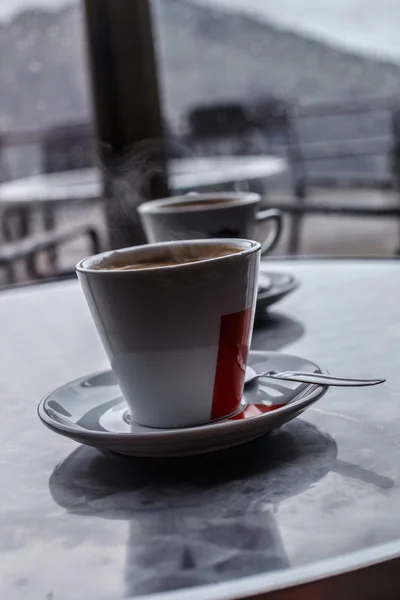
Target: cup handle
pixel 275 215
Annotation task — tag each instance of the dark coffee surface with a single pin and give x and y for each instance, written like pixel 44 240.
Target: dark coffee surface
pixel 152 265
pixel 200 203
pixel 180 256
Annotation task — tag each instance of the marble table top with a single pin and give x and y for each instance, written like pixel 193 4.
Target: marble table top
pixel 318 498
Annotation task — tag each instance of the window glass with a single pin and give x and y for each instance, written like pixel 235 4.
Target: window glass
pixel 315 84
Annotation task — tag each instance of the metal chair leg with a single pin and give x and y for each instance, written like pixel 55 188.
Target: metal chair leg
pixel 295 234
pixel 397 189
pixel 297 219
pixel 11 276
pixel 49 223
pixel 6 225
pixel 94 240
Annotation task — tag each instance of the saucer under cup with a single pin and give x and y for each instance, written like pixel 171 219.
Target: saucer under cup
pixel 92 411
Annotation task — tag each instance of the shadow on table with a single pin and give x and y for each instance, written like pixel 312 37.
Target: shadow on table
pixel 197 520
pixel 274 331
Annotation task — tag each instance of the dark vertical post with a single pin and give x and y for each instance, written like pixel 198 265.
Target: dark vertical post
pixel 127 109
pixel 299 181
pixel 395 158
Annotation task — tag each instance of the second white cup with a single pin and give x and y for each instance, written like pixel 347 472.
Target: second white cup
pixel 211 215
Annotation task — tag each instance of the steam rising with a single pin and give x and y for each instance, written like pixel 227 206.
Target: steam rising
pixel 129 183
pixel 129 178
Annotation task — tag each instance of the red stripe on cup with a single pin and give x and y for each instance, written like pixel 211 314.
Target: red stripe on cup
pixel 233 349
pixel 255 410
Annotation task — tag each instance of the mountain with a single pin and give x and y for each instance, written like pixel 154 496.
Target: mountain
pixel 43 75
pixel 205 55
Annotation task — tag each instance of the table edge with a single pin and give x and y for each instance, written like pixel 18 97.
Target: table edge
pixel 343 573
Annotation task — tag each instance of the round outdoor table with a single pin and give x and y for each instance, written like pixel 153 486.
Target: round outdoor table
pixel 312 509
pixel 47 193
pixel 184 174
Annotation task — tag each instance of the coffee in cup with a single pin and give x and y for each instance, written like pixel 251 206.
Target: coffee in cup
pixel 175 257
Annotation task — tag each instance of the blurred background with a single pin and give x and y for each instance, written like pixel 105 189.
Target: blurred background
pixel 298 101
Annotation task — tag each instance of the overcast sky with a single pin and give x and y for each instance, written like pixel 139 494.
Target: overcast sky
pixel 365 25
pixel 10 7
pixel 369 26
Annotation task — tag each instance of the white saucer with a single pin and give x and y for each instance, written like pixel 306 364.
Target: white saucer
pixel 92 411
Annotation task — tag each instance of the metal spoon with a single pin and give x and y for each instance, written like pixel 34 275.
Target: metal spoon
pixel 317 378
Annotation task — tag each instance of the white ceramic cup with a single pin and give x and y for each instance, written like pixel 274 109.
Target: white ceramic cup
pixel 211 215
pixel 177 337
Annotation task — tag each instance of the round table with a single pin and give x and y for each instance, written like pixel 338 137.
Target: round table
pixel 312 509
pixel 47 193
pixel 184 174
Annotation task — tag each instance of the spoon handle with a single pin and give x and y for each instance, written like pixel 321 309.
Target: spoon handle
pixel 318 378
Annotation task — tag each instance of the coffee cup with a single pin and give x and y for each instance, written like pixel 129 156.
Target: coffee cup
pixel 211 215
pixel 176 321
